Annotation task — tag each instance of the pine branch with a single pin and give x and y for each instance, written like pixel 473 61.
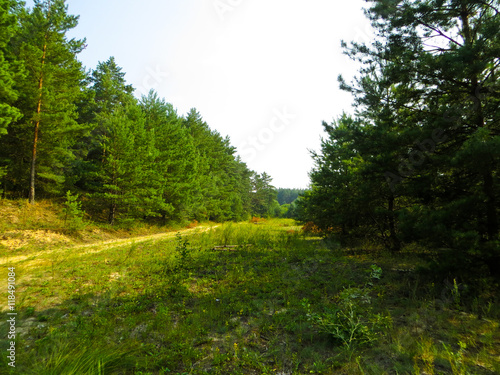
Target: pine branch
pixel 440 33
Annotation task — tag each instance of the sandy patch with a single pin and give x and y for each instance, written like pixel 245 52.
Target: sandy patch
pixel 17 239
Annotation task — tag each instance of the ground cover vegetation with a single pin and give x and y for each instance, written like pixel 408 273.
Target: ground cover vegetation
pixel 282 301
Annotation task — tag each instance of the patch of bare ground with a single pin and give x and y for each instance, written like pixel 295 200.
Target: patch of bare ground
pixel 17 239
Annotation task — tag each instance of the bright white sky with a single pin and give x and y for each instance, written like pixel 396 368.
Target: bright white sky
pixel 263 72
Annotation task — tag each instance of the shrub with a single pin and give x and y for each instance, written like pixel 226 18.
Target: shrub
pixel 257 220
pixel 192 224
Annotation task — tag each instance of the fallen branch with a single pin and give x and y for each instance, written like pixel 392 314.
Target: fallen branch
pixel 229 247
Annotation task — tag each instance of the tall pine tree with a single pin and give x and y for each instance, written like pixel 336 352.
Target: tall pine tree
pixel 9 71
pixel 177 162
pixel 422 163
pixel 8 95
pixel 39 145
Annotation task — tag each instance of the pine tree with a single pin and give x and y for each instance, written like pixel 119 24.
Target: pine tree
pixel 125 180
pixel 264 195
pixel 177 162
pixel 450 49
pixel 110 87
pixel 9 71
pixel 8 95
pixel 39 144
pixel 287 196
pixel 427 107
pixel 121 168
pixel 223 180
pixel 336 199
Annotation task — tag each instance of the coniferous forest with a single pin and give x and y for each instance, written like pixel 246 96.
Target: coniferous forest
pixel 67 129
pixel 419 160
pixel 135 240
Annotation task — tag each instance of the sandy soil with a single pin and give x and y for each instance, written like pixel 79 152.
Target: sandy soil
pixel 67 245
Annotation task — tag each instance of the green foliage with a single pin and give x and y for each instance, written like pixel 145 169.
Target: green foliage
pixel 223 190
pixel 418 162
pixel 351 321
pixel 110 87
pixel 176 164
pixel 263 198
pixel 290 211
pixel 48 88
pixel 125 179
pixel 182 249
pixel 8 68
pixel 375 273
pixel 73 213
pixel 65 129
pixel 287 196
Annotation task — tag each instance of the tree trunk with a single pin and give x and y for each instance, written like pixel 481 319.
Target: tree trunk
pixel 112 213
pixel 395 243
pixel 37 127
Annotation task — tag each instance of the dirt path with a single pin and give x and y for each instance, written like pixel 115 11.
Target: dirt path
pixel 97 247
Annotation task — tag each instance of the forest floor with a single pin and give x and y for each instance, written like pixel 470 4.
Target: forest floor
pixel 281 302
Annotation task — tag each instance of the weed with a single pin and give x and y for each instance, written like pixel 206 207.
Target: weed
pixel 451 294
pixel 351 321
pixel 375 272
pixel 457 359
pixel 182 249
pixel 348 324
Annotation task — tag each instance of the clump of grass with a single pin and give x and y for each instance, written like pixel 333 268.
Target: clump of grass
pixel 80 358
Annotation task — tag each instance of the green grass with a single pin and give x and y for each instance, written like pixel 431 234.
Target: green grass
pixel 281 303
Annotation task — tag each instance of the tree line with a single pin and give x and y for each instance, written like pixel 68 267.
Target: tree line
pixel 288 198
pixel 63 128
pixel 418 161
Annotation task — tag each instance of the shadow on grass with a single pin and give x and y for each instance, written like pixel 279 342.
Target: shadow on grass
pixel 153 311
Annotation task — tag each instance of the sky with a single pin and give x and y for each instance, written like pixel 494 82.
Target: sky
pixel 263 72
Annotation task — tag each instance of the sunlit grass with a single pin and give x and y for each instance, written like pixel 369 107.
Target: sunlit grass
pixel 178 306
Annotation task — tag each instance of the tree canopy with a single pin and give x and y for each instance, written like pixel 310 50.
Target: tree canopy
pixel 419 159
pixel 65 129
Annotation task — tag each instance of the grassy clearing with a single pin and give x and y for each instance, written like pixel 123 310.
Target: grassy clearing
pixel 27 229
pixel 280 303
